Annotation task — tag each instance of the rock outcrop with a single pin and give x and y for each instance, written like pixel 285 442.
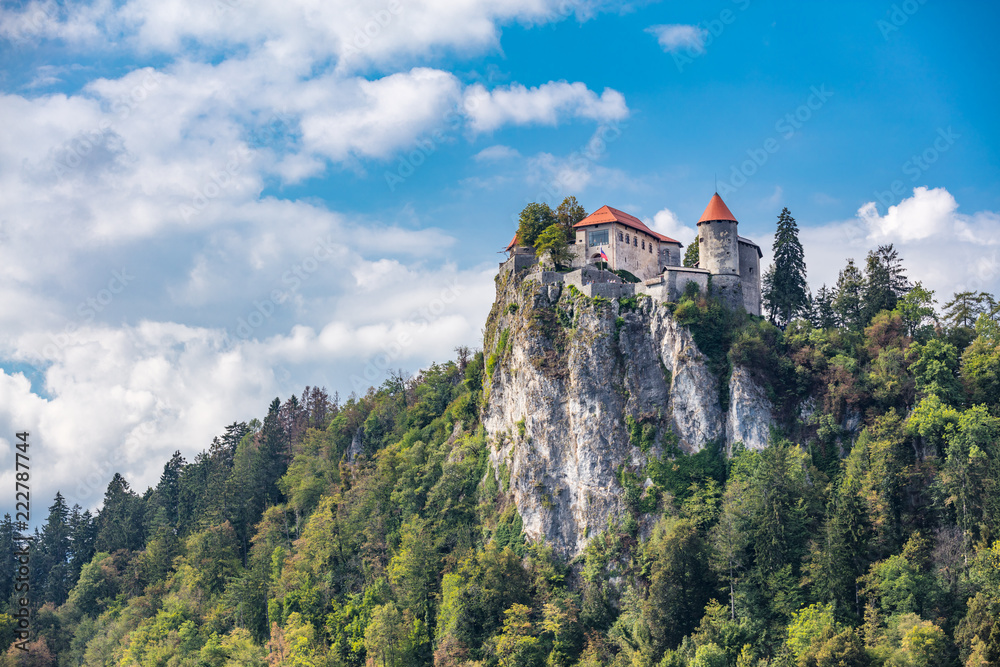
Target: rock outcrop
pixel 567 374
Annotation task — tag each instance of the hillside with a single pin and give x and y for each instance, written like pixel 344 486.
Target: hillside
pixel 609 482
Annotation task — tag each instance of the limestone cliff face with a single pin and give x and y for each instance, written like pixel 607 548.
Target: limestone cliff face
pixel 564 372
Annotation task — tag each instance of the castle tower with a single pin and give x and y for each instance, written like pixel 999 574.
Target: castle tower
pixel 718 251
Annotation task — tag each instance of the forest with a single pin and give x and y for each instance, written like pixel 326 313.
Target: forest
pixel 372 531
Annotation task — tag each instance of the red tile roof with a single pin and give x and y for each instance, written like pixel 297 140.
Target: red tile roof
pixel 513 242
pixel 717 210
pixel 607 214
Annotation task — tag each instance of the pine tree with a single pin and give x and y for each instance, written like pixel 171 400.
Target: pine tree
pixel 168 507
pixel 83 535
pixel 784 289
pixel 121 519
pixel 7 567
pixel 52 568
pixel 823 314
pixel 885 281
pixel 964 308
pixel 847 303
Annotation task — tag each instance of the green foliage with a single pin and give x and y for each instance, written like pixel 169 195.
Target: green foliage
pixel 980 371
pixel 534 219
pixel 552 240
pixel 378 531
pixel 714 327
pixel 916 308
pixel 935 370
pixel 691 254
pixel 848 304
pixel 491 363
pixel 783 289
pixel 641 434
pixel 568 213
pixel 808 628
pixel 885 281
pixel 627 276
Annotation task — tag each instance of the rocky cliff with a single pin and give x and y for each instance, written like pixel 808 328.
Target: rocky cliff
pixel 579 389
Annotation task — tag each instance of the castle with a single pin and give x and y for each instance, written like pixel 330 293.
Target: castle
pixel 614 239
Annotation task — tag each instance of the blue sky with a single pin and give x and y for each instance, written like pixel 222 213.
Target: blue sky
pixel 208 204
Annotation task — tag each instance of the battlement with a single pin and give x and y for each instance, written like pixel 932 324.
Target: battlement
pixel 594 282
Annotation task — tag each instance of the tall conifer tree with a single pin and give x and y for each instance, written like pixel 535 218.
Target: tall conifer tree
pixel 784 286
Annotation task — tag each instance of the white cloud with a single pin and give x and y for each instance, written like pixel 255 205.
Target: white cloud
pixel 946 250
pixel 554 174
pixel 546 104
pixel 496 153
pixel 926 213
pixel 355 32
pixel 158 175
pixel 674 37
pixel 123 398
pixel 667 223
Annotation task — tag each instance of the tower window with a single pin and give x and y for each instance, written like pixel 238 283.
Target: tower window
pixel 626 238
pixel 619 236
pixel 643 244
pixel 635 241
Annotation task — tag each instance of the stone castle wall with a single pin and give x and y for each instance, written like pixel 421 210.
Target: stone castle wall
pixel 717 247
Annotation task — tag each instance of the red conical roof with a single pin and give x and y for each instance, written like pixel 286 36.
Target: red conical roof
pixel 717 210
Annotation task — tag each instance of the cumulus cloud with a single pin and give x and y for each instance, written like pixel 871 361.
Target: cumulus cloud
pixel 948 251
pixel 123 398
pixel 546 104
pixel 355 32
pixel 667 223
pixel 174 296
pixel 674 37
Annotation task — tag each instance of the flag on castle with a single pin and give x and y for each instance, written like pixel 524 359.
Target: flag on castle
pixel 604 256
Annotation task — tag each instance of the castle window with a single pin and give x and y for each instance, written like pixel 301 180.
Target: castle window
pixel 626 238
pixel 651 248
pixel 635 240
pixel 599 238
pixel 619 236
pixel 644 244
